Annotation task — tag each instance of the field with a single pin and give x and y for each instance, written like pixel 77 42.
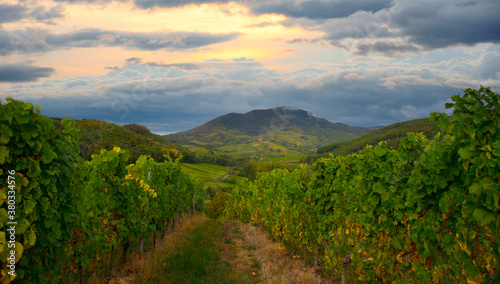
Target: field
pixel 213 175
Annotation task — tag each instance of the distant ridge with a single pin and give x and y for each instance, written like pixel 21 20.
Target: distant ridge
pixel 284 129
pixel 392 134
pixel 137 139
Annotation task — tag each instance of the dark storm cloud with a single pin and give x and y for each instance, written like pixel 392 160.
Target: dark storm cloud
pixel 20 72
pixel 412 26
pixel 5 44
pixel 12 13
pixel 437 24
pixel 318 9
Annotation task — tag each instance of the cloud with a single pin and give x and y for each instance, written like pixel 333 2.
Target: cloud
pixel 407 80
pixel 489 67
pixel 21 72
pixel 318 9
pixel 409 26
pixel 147 4
pixel 361 24
pixel 141 41
pixel 304 40
pixel 45 15
pixel 260 25
pixel 388 48
pixel 438 24
pixel 242 59
pixel 100 2
pixel 133 60
pixel 31 41
pixel 12 13
pixel 180 96
pixel 182 66
pixel 42 14
pixel 76 83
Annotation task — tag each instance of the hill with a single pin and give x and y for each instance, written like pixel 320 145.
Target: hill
pixel 97 135
pixel 392 134
pixel 268 132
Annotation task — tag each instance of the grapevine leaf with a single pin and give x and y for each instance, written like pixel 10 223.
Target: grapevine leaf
pixel 464 153
pixel 22 225
pixel 4 217
pixel 45 203
pixel 472 234
pixel 476 189
pixel 3 197
pixel 4 153
pixel 483 217
pixel 29 205
pixel 30 238
pixel 28 106
pixel 6 134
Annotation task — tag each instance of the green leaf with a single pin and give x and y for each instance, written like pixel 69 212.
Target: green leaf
pixel 444 122
pixel 4 217
pixel 5 134
pixel 3 197
pixel 447 239
pixel 22 225
pixel 28 106
pixel 30 238
pixel 496 197
pixel 476 189
pixel 472 234
pixel 465 153
pixel 47 157
pixel 29 205
pixel 483 217
pixel 45 203
pixel 4 153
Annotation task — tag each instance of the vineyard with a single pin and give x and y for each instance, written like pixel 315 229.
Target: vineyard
pixel 425 211
pixel 59 213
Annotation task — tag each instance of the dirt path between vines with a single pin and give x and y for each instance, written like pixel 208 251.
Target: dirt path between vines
pixel 247 249
pixel 246 255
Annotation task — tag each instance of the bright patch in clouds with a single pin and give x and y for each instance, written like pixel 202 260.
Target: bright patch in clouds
pixel 172 65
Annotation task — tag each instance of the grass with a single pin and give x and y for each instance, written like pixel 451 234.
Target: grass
pixel 256 149
pixel 196 259
pixel 212 175
pixel 206 172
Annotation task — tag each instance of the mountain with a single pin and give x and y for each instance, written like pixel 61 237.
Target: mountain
pixel 392 134
pixel 271 132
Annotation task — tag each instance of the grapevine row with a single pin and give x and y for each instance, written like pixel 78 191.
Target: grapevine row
pixel 426 211
pixel 70 212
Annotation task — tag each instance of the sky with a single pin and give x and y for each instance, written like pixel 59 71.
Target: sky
pixel 174 65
